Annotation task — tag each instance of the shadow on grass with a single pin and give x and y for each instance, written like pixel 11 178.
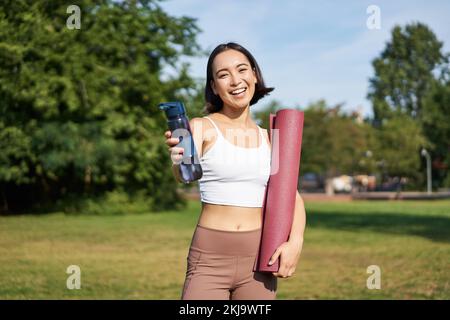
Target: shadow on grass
pixel 434 228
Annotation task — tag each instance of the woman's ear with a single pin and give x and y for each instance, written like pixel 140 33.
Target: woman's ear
pixel 213 87
pixel 254 75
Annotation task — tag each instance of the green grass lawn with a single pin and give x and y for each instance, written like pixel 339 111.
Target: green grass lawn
pixel 143 256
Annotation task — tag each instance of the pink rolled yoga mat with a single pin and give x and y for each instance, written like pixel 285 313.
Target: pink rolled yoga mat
pixel 280 195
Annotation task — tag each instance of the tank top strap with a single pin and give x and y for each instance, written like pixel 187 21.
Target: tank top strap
pixel 260 132
pixel 215 126
pixel 263 138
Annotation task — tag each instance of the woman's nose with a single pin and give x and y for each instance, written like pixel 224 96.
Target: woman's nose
pixel 235 79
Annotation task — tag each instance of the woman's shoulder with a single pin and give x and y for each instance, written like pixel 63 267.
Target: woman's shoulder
pixel 199 121
pixel 203 125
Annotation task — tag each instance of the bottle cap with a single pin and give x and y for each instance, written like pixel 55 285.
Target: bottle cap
pixel 173 109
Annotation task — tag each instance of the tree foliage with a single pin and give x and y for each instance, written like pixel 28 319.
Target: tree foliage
pixel 412 78
pixel 332 141
pixel 78 108
pixel 336 143
pixel 406 70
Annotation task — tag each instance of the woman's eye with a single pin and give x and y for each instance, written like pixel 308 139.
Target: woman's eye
pixel 242 70
pixel 221 76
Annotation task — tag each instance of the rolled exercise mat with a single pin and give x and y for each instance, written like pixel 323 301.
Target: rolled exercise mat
pixel 280 194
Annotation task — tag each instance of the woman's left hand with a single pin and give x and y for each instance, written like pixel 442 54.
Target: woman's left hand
pixel 289 253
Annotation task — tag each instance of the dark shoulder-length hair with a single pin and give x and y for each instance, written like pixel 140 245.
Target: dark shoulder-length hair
pixel 213 101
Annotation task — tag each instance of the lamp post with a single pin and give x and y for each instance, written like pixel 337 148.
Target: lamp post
pixel 427 156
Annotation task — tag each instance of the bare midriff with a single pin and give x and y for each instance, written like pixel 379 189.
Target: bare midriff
pixel 229 218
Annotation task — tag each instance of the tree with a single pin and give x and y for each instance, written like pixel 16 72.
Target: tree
pixel 405 71
pixel 436 127
pixel 78 108
pixel 412 78
pixel 332 141
pixel 397 148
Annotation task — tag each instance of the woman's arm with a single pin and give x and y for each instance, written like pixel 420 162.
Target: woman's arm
pixel 299 222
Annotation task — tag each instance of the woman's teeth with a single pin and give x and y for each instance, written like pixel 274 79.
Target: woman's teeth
pixel 238 91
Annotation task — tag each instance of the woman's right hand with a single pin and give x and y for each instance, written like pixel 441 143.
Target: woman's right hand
pixel 176 153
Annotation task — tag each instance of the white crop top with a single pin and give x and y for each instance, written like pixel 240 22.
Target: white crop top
pixel 234 175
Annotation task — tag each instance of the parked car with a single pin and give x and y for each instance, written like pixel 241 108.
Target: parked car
pixel 310 182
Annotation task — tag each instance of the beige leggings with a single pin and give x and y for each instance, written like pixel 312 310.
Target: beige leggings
pixel 220 267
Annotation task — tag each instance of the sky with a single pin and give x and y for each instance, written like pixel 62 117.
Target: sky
pixel 309 50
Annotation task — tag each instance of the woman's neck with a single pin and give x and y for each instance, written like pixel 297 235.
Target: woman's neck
pixel 239 118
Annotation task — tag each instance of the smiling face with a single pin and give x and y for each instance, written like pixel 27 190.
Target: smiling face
pixel 233 79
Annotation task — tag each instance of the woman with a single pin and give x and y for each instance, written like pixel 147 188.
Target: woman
pixel 226 239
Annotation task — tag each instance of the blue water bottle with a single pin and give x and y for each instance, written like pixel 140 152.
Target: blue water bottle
pixel 178 123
